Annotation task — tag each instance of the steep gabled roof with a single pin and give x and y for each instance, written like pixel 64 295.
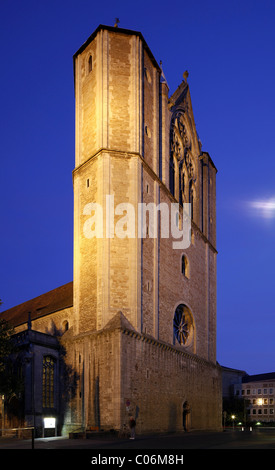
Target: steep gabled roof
pixel 52 301
pixel 181 100
pixel 180 93
pixel 119 321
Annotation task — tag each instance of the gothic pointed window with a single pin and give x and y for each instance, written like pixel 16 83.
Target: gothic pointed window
pixel 182 178
pixel 48 381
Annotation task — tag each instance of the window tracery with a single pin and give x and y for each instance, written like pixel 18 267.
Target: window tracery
pixel 182 167
pixel 48 381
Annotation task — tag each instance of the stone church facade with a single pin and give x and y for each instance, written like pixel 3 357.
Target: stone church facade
pixel 138 322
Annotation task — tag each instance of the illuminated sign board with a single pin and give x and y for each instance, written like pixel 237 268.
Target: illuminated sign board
pixel 49 423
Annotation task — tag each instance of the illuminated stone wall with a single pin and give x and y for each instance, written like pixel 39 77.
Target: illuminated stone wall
pixel 158 378
pixel 123 147
pixel 123 373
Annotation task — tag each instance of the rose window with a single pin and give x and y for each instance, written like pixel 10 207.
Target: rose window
pixel 183 325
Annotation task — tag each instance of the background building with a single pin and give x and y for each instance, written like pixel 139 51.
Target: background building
pixel 138 323
pixel 259 394
pixel 230 379
pixel 249 397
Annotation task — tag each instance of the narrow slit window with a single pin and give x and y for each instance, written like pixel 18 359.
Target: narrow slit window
pixel 191 199
pixel 185 266
pixel 90 64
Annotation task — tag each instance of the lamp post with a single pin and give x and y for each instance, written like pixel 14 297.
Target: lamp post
pixel 233 417
pixel 224 419
pixel 3 413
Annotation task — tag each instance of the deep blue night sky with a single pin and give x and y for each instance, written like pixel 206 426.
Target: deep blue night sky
pixel 228 49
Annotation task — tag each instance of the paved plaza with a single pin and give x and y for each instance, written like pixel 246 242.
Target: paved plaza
pixel 228 439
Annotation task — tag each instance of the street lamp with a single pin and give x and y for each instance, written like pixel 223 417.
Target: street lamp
pixel 233 417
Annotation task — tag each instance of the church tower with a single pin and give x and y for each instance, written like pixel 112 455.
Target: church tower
pixel 136 145
pixel 110 146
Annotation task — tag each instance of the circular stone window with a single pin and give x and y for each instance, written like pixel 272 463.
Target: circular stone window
pixel 183 325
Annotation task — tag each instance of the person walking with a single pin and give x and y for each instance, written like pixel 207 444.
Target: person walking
pixel 132 426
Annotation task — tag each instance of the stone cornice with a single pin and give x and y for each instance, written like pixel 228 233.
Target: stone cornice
pixel 144 338
pixel 167 347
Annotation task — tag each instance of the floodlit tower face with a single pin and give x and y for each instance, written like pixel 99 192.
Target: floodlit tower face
pixel 108 89
pixel 112 102
pixel 136 145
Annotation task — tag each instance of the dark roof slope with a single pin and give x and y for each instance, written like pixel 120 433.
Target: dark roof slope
pixel 52 301
pixel 259 377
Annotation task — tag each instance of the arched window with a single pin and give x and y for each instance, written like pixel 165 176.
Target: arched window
pixel 48 381
pixel 90 64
